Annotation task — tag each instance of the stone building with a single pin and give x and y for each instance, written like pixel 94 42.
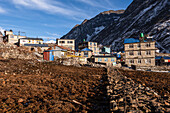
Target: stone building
pixel 139 51
pixel 69 43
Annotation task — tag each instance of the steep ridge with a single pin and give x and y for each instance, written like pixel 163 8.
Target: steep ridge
pixel 147 16
pixel 89 28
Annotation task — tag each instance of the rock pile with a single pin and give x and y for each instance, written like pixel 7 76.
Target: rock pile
pixel 127 96
pixel 12 51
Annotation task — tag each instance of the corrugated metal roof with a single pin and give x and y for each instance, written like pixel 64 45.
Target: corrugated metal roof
pixel 37 45
pixel 164 57
pixel 32 38
pixel 86 49
pixel 131 40
pixel 102 56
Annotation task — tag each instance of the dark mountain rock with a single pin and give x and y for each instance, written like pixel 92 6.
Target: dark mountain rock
pixel 148 16
pixel 89 28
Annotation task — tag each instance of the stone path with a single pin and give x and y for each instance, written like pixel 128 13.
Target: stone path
pixel 128 97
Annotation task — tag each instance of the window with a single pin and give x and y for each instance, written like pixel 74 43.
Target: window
pixel 94 48
pixel 139 45
pixel 11 36
pixel 85 54
pixel 148 52
pixel 130 52
pixel 131 46
pixel 131 61
pixel 112 59
pixel 139 61
pixel 99 59
pixel 147 45
pixel 62 42
pixel 70 42
pixel 105 59
pixel 70 47
pixel 139 52
pixel 148 61
pixel 94 44
pixel 91 43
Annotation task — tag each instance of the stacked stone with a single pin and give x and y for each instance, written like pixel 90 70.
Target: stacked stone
pixel 127 96
pixel 12 51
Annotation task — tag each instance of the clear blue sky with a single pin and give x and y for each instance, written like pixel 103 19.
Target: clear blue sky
pixel 51 18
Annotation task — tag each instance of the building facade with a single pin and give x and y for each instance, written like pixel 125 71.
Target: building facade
pixel 69 43
pixel 139 53
pixel 90 45
pixel 108 60
pixel 1 37
pixel 11 38
pixel 23 41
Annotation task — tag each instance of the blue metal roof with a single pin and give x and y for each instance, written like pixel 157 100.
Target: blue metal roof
pixel 131 40
pixel 164 57
pixel 158 57
pixel 86 49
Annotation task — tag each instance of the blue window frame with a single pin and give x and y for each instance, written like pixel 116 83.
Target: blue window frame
pixel 105 59
pixel 112 59
pixel 99 59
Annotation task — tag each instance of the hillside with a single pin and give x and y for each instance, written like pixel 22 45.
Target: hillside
pixel 147 16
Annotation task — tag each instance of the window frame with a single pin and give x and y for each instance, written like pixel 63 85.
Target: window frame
pixel 106 59
pixel 131 53
pixel 131 46
pixel 139 61
pixel 131 61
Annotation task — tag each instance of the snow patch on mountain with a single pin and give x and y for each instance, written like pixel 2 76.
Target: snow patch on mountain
pixel 97 30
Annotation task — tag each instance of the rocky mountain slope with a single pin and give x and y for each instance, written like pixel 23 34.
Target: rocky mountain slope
pixel 89 28
pixel 147 16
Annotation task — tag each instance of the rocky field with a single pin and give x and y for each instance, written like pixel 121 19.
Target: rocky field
pixel 160 82
pixel 31 86
pixel 137 92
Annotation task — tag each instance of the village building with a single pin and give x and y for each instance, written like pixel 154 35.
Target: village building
pixel 11 38
pixel 69 43
pixel 90 45
pixel 57 51
pixel 23 41
pixel 105 49
pixel 162 60
pixel 1 37
pixel 139 51
pixel 108 60
pixel 87 53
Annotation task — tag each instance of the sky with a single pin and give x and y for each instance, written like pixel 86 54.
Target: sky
pixel 51 19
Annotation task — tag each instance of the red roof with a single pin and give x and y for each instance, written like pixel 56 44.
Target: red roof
pixel 66 48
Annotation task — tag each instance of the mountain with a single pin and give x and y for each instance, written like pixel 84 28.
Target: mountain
pixel 148 16
pixel 89 28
